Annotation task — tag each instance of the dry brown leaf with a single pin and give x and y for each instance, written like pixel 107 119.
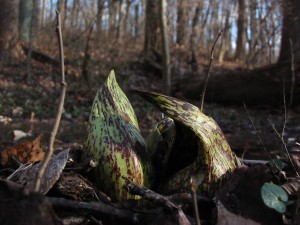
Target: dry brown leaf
pixel 26 174
pixel 25 152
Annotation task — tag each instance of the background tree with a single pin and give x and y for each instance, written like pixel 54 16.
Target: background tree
pixel 290 31
pixel 255 26
pixel 62 8
pixel 241 33
pixel 25 19
pixel 44 13
pixel 181 22
pixel 151 28
pixel 165 48
pixel 9 34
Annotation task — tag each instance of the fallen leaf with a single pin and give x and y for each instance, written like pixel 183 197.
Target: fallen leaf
pixel 25 152
pixel 19 134
pixel 26 174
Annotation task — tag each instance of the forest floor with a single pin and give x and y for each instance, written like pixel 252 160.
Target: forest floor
pixel 30 103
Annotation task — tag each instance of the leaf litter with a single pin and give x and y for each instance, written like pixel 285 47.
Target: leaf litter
pixel 25 112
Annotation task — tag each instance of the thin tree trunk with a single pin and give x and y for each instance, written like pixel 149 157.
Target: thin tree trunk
pixel 253 28
pixel 194 26
pixel 225 37
pixel 193 37
pixel 75 13
pixel 112 17
pixel 165 49
pixel 181 23
pixel 51 9
pixel 61 4
pixel 31 30
pixel 100 8
pixel 290 30
pixel 9 31
pixel 25 19
pixel 44 11
pixel 203 25
pixel 241 35
pixel 127 14
pixel 151 27
pixel 136 21
pixel 120 27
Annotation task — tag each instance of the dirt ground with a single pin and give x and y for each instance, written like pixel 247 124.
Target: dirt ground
pixel 29 104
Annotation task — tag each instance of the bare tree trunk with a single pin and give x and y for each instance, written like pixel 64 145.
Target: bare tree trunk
pixel 112 17
pixel 9 31
pixel 194 26
pixel 61 6
pixel 193 37
pixel 203 25
pixel 120 27
pixel 100 8
pixel 136 21
pixel 92 8
pixel 225 36
pixel 181 23
pixel 75 13
pixel 25 18
pixel 31 31
pixel 241 35
pixel 165 49
pixel 151 27
pixel 253 27
pixel 290 31
pixel 44 11
pixel 51 9
pixel 127 14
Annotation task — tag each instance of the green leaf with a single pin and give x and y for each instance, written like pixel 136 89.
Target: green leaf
pixel 115 143
pixel 274 197
pixel 214 159
pixel 276 164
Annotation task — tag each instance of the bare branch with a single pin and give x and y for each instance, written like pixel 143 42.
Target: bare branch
pixel 59 110
pixel 285 148
pixel 209 68
pixel 93 208
pixel 257 133
pixel 293 72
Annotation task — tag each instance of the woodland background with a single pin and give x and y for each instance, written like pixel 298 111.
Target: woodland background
pixel 255 62
pixel 250 49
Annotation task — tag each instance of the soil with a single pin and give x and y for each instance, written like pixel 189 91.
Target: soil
pixel 30 103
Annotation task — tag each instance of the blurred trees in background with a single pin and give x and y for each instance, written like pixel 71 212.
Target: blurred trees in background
pixel 290 31
pixel 252 29
pixel 9 31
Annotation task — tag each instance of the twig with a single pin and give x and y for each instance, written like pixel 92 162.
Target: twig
pixel 195 202
pixel 135 189
pixel 46 160
pixel 94 208
pixel 256 132
pixel 291 91
pixel 293 73
pixel 176 212
pixel 209 68
pixel 285 109
pixel 285 148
